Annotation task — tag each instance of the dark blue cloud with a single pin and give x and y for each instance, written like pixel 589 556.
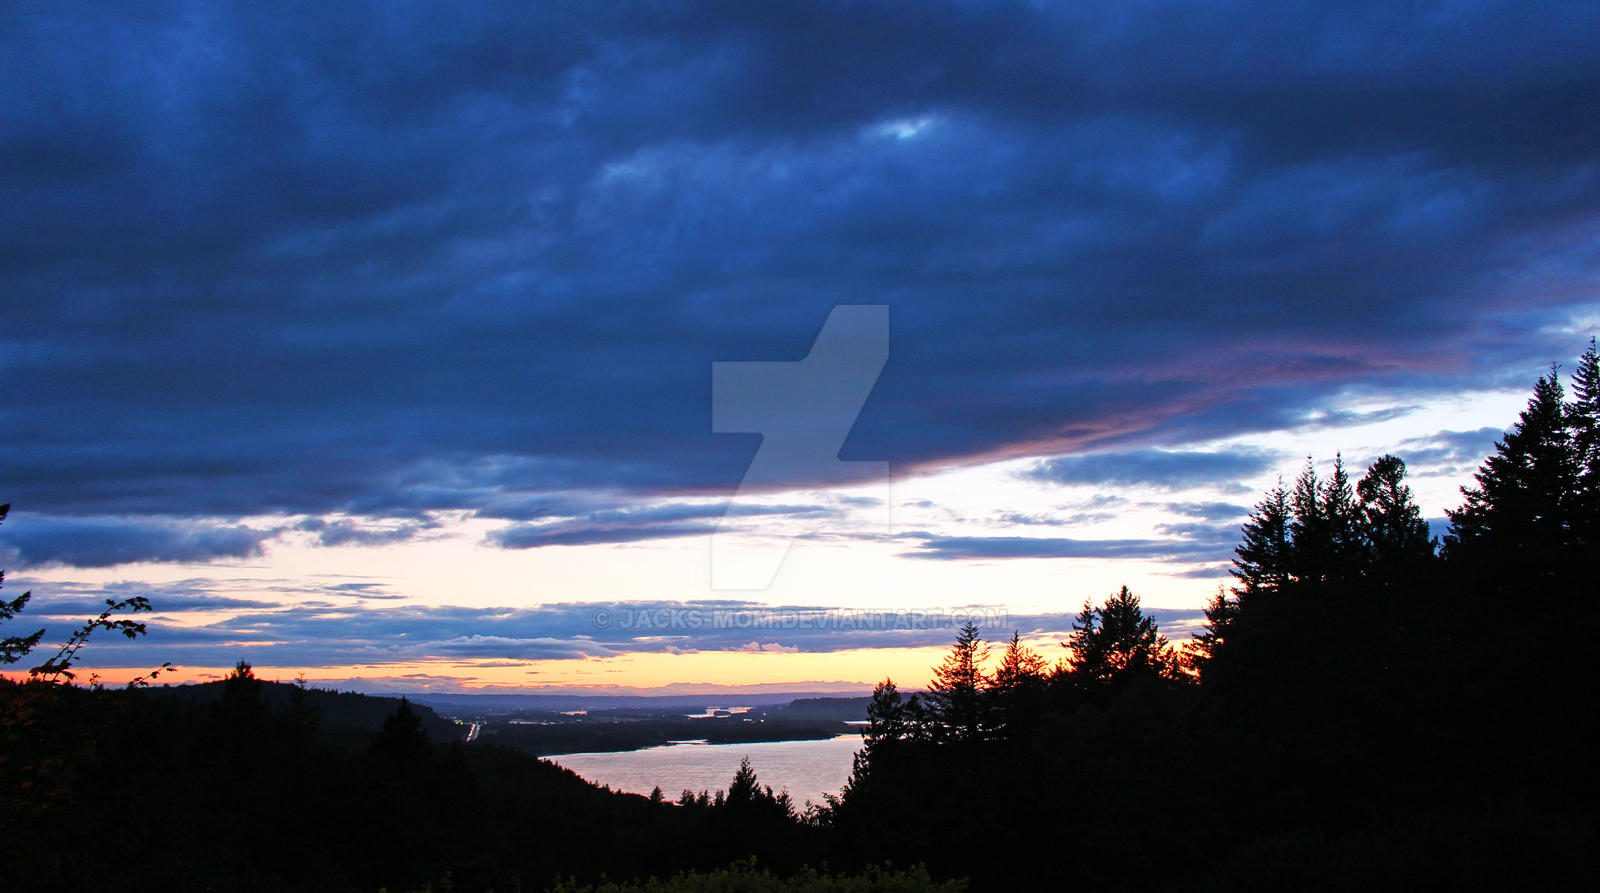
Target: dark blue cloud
pixel 1449 450
pixel 653 522
pixel 952 548
pixel 34 541
pixel 250 264
pixel 344 532
pixel 1154 468
pixel 1209 511
pixel 48 604
pixel 529 536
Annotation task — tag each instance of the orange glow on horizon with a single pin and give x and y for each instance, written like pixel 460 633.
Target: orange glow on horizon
pixel 638 672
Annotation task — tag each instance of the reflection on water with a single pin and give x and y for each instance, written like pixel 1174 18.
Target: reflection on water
pixel 806 769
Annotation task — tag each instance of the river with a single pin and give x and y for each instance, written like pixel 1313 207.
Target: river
pixel 806 769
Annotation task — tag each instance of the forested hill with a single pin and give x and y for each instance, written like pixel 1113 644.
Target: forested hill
pixel 345 716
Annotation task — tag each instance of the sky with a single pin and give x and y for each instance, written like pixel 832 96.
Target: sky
pixel 377 342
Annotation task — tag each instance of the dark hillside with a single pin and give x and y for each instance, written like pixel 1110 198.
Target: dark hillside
pixel 345 716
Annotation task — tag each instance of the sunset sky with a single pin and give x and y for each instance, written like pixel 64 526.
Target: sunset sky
pixel 376 342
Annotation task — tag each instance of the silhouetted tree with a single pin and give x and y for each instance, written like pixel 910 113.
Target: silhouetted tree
pixel 241 688
pixel 890 718
pixel 1220 613
pixel 1517 521
pixel 1118 642
pixel 955 698
pixel 301 716
pixel 1584 420
pixel 1263 558
pixel 1017 687
pixel 1020 666
pixel 402 738
pixel 1310 542
pixel 1394 535
pixel 1324 527
pixel 1342 515
pixel 744 789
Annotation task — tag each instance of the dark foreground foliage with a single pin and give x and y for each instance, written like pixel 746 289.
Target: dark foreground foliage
pixel 106 790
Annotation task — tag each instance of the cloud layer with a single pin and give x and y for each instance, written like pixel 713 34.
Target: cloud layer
pixel 194 626
pixel 376 262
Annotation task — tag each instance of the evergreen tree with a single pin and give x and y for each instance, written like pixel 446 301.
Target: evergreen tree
pixel 241 689
pixel 402 738
pixel 1020 667
pixel 1016 688
pixel 1342 516
pixel 1584 420
pixel 1516 522
pixel 1310 545
pixel 744 790
pixel 1220 613
pixel 1118 642
pixel 889 717
pixel 1084 643
pixel 1263 558
pixel 956 696
pixel 1394 535
pixel 301 716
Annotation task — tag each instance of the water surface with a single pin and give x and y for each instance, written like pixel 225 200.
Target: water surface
pixel 806 769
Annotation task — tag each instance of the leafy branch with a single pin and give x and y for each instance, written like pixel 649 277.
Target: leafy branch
pixel 59 667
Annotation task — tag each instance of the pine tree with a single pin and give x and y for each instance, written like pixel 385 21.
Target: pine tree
pixel 1016 689
pixel 1118 642
pixel 1085 643
pixel 300 717
pixel 1310 543
pixel 1342 516
pixel 402 738
pixel 1584 420
pixel 956 695
pixel 744 789
pixel 1516 522
pixel 1394 536
pixel 1220 613
pixel 889 717
pixel 1020 666
pixel 1263 556
pixel 241 689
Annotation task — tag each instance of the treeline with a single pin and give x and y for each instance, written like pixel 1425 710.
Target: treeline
pixel 1366 706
